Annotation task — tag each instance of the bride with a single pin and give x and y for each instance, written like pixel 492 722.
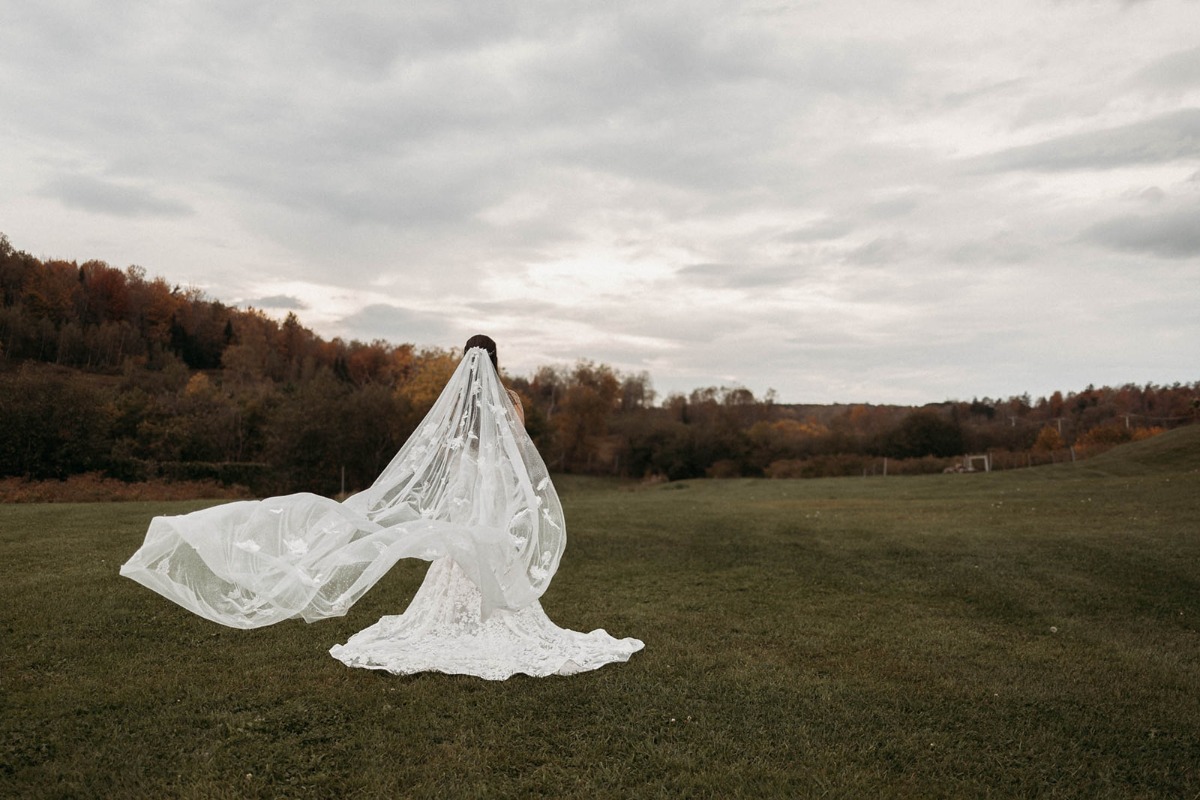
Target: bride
pixel 468 492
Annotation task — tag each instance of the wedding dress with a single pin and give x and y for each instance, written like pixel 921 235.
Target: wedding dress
pixel 468 491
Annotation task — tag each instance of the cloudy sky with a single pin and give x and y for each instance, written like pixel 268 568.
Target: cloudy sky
pixel 873 201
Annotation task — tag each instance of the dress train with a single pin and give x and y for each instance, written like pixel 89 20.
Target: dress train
pixel 443 631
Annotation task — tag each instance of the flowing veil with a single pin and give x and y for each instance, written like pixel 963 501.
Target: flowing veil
pixel 468 485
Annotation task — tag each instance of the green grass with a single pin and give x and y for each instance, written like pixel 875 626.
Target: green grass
pixel 1029 633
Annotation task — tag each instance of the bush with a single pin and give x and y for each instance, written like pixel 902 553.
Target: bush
pixel 843 466
pixel 834 466
pixel 725 468
pixel 259 478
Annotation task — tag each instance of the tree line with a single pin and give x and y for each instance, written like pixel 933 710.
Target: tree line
pixel 109 369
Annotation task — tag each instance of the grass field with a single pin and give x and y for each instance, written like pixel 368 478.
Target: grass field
pixel 1018 634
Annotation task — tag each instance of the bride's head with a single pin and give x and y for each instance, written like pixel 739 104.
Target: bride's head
pixel 486 342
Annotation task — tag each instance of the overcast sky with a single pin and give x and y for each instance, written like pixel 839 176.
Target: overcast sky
pixel 845 201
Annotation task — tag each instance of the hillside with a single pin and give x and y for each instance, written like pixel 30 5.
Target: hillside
pixel 1175 450
pixel 104 369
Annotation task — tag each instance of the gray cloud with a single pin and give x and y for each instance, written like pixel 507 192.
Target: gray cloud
pixel 104 197
pixel 742 276
pixel 674 325
pixel 1173 234
pixel 282 301
pixel 850 67
pixel 989 90
pixel 528 307
pixel 1176 72
pixel 1005 247
pixel 892 207
pixel 884 249
pixel 824 229
pixel 396 324
pixel 1161 139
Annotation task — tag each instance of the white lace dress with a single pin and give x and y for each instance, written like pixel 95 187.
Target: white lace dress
pixel 442 631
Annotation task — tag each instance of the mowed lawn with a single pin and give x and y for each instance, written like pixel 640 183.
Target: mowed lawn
pixel 1028 633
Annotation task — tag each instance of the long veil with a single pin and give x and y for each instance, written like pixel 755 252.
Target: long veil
pixel 468 484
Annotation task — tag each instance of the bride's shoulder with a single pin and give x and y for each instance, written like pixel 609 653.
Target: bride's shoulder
pixel 516 401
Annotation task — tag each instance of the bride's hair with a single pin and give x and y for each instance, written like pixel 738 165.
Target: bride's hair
pixel 486 342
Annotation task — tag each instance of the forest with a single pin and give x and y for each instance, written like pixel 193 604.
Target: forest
pixel 113 371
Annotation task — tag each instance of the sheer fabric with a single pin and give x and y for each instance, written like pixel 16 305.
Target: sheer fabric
pixel 467 490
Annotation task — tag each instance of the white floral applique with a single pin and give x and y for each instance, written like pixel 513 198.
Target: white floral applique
pixel 248 545
pixel 518 539
pixel 297 546
pixel 341 603
pixel 163 567
pixel 541 570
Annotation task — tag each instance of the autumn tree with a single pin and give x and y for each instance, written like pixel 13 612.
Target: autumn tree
pixel 105 293
pixel 583 416
pixel 1048 440
pixel 53 426
pixel 431 370
pixel 924 433
pixel 323 426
